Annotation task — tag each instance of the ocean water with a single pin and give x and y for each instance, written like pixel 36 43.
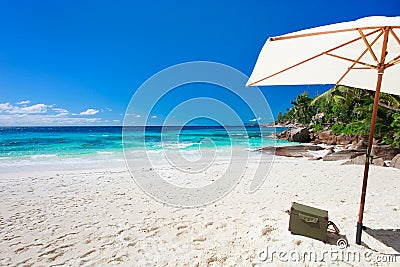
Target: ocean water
pixel 23 146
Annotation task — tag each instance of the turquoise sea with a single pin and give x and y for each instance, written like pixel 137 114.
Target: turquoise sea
pixel 30 145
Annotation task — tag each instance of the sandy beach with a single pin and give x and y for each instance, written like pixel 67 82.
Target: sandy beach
pixel 100 217
pixel 183 133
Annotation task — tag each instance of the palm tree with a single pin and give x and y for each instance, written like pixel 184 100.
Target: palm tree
pixel 348 110
pixel 302 111
pixel 340 92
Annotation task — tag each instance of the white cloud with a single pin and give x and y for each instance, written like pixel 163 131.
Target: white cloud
pixel 109 109
pixel 25 114
pixel 26 102
pixel 43 120
pixel 61 111
pixel 115 120
pixel 130 114
pixel 89 111
pixel 256 119
pixel 6 107
pixel 34 109
pixel 154 117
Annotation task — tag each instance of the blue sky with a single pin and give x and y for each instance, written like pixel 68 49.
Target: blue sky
pixel 80 62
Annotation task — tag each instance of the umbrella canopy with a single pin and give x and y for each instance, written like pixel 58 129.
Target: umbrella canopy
pixel 345 53
pixel 364 54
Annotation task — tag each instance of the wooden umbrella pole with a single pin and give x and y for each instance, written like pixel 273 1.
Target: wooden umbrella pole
pixel 381 69
pixel 367 160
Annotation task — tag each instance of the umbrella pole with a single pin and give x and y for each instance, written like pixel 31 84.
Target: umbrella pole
pixel 367 159
pixel 381 69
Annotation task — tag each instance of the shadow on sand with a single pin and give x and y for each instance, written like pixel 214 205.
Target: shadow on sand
pixel 389 237
pixel 334 238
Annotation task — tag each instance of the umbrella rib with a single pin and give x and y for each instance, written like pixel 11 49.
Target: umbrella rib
pixel 351 60
pixel 278 38
pixel 362 54
pixel 395 36
pixel 393 61
pixel 313 57
pixel 368 45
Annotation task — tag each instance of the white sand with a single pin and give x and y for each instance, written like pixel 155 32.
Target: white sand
pixel 101 217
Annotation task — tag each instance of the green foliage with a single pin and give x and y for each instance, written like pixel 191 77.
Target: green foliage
pixel 317 127
pixel 347 110
pixel 280 117
pixel 337 128
pixel 357 128
pixel 395 141
pixel 301 111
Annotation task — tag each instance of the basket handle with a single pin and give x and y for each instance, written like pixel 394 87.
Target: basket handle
pixel 334 226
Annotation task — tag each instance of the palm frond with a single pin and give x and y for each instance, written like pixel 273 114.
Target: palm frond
pixel 322 96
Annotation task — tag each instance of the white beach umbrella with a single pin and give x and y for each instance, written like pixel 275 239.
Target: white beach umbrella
pixel 364 54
